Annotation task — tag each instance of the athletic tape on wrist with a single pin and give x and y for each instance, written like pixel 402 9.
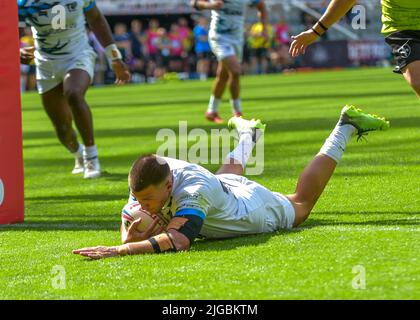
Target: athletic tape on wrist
pixel 112 52
pixel 162 242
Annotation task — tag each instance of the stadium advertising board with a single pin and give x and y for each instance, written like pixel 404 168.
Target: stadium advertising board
pixel 343 54
pixel 368 51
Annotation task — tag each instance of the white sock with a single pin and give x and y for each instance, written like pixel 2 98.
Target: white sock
pixel 213 104
pixel 79 153
pixel 336 143
pixel 243 150
pixel 236 105
pixel 90 152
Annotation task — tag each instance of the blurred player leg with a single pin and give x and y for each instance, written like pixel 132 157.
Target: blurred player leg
pixel 203 67
pixel 75 85
pixel 412 75
pixel 57 109
pixel 218 89
pixel 233 66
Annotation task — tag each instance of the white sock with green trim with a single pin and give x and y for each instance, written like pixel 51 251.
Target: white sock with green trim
pixel 243 150
pixel 336 143
pixel 90 153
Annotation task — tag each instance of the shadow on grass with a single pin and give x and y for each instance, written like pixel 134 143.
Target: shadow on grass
pixel 314 223
pixel 277 126
pixel 117 176
pixel 79 198
pixel 252 240
pixel 41 145
pixel 240 241
pixel 64 225
pixel 360 212
pixel 279 98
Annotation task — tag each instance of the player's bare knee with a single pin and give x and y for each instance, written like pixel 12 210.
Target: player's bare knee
pixel 302 208
pixel 222 78
pixel 221 75
pixel 301 214
pixel 74 96
pixel 235 72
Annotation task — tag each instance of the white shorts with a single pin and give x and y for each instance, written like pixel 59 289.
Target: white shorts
pixel 272 209
pixel 223 47
pixel 50 73
pixel 279 213
pixel 259 210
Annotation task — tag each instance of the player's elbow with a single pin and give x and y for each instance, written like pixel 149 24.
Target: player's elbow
pixel 181 242
pixel 183 246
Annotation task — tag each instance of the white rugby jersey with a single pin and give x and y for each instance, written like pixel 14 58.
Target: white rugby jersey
pixel 54 43
pixel 228 203
pixel 230 19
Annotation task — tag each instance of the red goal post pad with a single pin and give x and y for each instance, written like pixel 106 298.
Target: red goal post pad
pixel 11 161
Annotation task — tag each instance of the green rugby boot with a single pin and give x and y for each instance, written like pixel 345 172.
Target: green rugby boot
pixel 255 127
pixel 363 122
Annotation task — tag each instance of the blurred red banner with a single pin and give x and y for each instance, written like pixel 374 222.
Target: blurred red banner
pixel 11 162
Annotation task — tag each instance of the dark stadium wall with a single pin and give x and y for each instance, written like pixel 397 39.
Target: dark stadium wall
pixel 11 162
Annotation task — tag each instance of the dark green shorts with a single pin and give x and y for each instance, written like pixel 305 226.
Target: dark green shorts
pixel 405 47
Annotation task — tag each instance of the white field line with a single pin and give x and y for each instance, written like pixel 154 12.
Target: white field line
pixel 59 226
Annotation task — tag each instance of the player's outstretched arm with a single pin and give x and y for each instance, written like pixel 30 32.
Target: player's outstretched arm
pixel 181 232
pixel 335 11
pixel 206 5
pixel 164 242
pixel 100 27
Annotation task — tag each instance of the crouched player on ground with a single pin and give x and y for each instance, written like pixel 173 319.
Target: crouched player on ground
pixel 226 204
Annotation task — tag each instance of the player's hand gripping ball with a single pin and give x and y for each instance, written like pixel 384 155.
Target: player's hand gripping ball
pixel 133 212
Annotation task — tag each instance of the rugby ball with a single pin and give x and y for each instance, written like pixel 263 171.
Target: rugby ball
pixel 132 212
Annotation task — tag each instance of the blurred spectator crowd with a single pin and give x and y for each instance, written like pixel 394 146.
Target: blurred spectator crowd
pixel 180 51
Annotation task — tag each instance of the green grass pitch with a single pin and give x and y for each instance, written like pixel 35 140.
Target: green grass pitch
pixel 368 215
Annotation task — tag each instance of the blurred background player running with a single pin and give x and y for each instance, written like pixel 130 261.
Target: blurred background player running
pixel 65 68
pixel 226 38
